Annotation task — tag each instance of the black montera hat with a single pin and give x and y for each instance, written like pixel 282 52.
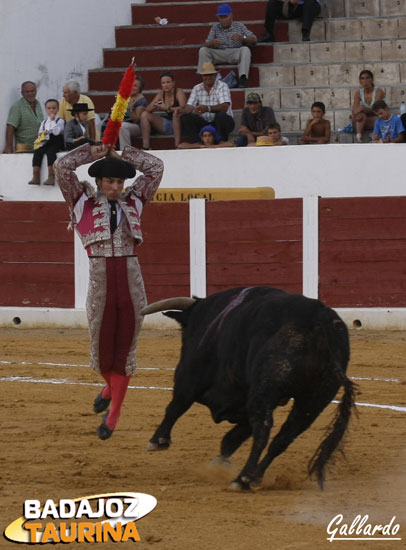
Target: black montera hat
pixel 111 167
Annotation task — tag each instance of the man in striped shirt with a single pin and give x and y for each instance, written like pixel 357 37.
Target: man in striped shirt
pixel 228 42
pixel 306 10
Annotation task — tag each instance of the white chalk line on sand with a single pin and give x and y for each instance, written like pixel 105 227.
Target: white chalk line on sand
pixel 31 380
pixel 28 363
pixel 58 381
pixel 46 364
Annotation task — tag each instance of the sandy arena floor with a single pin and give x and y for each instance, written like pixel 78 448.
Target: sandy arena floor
pixel 49 449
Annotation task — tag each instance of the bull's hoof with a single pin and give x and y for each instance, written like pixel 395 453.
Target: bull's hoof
pixel 243 484
pixel 161 445
pixel 221 461
pixel 236 486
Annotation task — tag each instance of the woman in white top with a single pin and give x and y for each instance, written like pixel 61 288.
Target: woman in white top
pixel 363 117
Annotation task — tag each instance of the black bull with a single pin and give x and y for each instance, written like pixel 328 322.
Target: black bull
pixel 247 350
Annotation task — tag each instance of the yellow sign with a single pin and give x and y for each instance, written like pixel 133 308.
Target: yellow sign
pixel 172 194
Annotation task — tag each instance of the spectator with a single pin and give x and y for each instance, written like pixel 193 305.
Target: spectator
pixel 75 133
pixel 167 102
pixel 209 139
pixel 130 126
pixel 24 119
pixel 49 142
pixel 272 137
pixel 209 103
pixel 71 95
pixel 306 10
pixel 228 42
pixel 388 128
pixel 363 116
pixel 317 129
pixel 254 121
pixel 403 119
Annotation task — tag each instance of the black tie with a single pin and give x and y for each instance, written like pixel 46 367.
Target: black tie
pixel 113 216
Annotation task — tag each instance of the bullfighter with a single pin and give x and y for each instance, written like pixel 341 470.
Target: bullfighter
pixel 108 223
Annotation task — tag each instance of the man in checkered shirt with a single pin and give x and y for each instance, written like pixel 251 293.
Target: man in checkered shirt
pixel 209 102
pixel 228 42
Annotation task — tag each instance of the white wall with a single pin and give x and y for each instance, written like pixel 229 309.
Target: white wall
pixel 335 170
pixel 32 49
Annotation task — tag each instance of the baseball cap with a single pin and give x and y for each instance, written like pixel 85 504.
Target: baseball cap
pixel 252 97
pixel 224 9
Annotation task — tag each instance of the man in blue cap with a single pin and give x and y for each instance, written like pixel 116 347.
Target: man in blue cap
pixel 228 42
pixel 306 10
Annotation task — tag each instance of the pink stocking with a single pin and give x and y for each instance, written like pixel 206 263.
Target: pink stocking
pixel 118 385
pixel 106 394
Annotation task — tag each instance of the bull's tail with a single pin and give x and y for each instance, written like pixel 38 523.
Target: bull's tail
pixel 335 432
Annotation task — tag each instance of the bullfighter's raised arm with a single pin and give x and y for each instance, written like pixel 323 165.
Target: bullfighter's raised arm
pixel 65 167
pixel 152 169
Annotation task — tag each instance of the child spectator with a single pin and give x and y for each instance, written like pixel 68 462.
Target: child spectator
pixel 75 130
pixel 317 128
pixel 273 136
pixel 48 142
pixel 388 128
pixel 209 138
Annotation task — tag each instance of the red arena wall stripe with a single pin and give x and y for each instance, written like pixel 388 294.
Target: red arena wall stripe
pixel 36 261
pixel 362 252
pixel 164 255
pixel 253 243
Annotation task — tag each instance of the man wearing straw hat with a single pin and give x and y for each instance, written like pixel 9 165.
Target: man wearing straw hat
pixel 23 121
pixel 108 222
pixel 209 103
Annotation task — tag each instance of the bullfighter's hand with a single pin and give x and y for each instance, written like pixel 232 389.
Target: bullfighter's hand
pixel 98 151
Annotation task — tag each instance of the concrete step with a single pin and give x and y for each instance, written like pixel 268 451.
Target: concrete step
pixel 186 77
pixel 179 35
pixel 294 120
pixel 153 56
pixel 330 8
pixel 195 12
pixel 334 74
pixel 159 142
pixel 339 97
pixel 365 28
pixel 360 8
pixel 341 51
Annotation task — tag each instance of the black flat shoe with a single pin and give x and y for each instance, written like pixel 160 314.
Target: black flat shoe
pixel 100 403
pixel 267 38
pixel 103 431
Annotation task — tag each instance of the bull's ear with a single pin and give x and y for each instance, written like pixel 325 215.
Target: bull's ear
pixel 179 316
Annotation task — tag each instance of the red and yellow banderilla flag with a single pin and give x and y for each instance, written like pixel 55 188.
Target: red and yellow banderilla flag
pixel 120 106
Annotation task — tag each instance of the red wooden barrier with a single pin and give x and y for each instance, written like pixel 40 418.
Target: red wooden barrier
pixel 254 243
pixel 362 261
pixel 362 252
pixel 36 258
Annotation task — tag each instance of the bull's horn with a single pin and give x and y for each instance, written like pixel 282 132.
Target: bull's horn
pixel 170 303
